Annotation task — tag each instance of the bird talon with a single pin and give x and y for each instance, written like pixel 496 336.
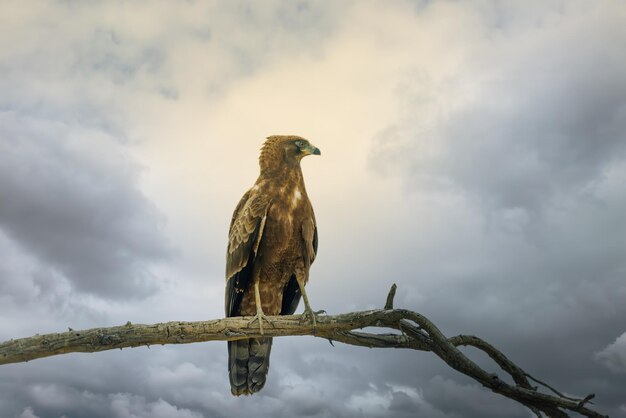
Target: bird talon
pixel 261 317
pixel 310 316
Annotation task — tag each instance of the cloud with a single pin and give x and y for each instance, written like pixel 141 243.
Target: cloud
pixel 145 85
pixel 27 413
pixel 613 356
pixel 516 119
pixel 70 200
pixel 54 397
pixel 167 51
pixel 130 129
pixel 386 400
pixel 124 405
pixel 471 400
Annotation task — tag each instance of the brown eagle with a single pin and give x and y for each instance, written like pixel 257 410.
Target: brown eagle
pixel 272 242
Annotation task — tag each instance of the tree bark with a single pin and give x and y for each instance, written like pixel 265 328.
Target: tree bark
pixel 413 331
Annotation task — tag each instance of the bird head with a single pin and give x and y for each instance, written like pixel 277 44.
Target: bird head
pixel 302 148
pixel 280 149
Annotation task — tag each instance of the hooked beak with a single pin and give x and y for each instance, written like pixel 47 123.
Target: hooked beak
pixel 313 150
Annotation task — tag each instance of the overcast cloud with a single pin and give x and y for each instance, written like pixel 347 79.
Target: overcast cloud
pixel 473 153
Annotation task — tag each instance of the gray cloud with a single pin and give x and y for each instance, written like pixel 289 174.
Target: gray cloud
pixel 526 139
pixel 511 230
pixel 614 355
pixel 89 69
pixel 131 406
pixel 69 191
pixel 77 211
pixel 464 400
pixel 27 413
pixel 557 286
pixel 524 121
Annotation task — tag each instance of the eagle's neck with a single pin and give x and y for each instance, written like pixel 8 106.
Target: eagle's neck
pixel 279 170
pixel 283 175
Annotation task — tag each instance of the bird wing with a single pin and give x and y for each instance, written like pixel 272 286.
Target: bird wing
pixel 309 236
pixel 292 294
pixel 244 237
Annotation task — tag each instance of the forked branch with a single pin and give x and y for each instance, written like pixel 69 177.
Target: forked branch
pixel 412 331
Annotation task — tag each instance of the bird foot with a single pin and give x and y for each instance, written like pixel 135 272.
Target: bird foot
pixel 311 316
pixel 260 316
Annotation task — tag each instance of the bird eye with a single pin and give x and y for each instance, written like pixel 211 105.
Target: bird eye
pixel 299 144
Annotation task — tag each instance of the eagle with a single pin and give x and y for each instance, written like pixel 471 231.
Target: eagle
pixel 272 241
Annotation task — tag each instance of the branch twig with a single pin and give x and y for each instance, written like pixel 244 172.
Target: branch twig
pixel 390 296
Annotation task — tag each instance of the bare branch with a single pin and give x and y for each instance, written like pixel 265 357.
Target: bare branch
pixel 416 332
pixel 587 398
pixel 390 296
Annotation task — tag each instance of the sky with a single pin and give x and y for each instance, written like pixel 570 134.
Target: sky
pixel 474 153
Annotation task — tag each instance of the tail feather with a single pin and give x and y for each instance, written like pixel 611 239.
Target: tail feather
pixel 248 364
pixel 238 366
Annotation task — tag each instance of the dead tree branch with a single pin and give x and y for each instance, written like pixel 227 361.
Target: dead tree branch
pixel 413 331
